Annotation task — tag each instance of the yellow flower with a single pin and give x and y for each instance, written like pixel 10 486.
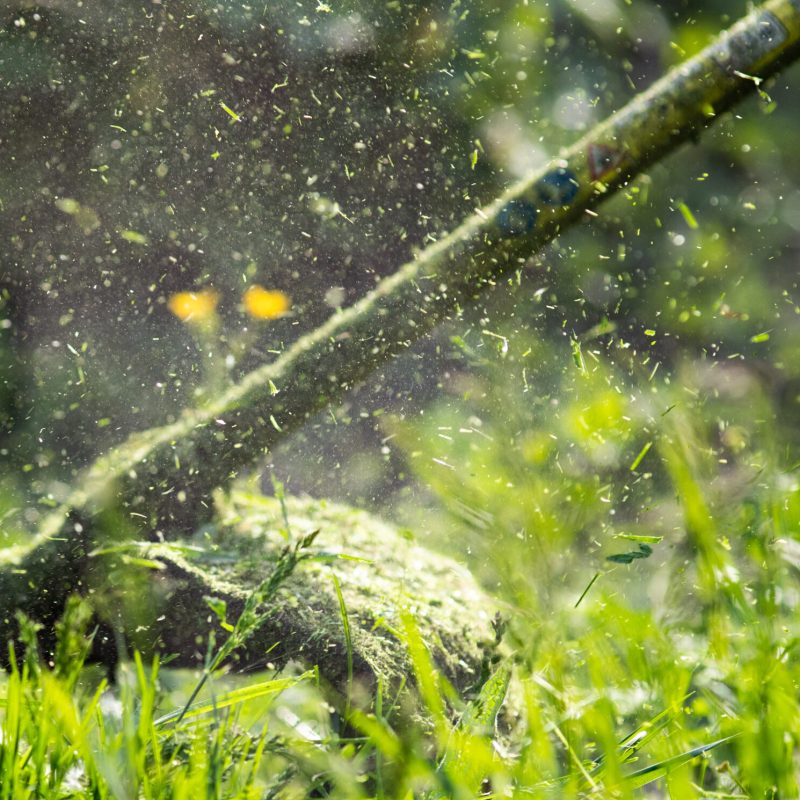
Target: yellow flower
pixel 263 303
pixel 194 306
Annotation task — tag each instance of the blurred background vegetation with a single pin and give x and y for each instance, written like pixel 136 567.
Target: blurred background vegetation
pixel 640 378
pixel 311 148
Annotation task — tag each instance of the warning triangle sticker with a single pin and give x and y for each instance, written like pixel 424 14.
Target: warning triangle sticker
pixel 602 159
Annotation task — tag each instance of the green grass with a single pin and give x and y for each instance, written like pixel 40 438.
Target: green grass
pixel 676 675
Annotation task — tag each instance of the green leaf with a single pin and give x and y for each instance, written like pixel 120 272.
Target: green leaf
pixel 483 710
pixel 246 694
pixel 642 453
pixel 655 771
pixel 644 551
pixel 639 537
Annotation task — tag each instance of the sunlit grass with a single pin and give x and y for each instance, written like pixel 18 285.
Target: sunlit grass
pixel 677 670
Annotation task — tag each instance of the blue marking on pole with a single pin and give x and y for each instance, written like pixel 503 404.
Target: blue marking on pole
pixel 558 187
pixel 517 217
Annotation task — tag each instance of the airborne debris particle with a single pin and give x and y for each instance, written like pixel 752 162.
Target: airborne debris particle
pixel 230 112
